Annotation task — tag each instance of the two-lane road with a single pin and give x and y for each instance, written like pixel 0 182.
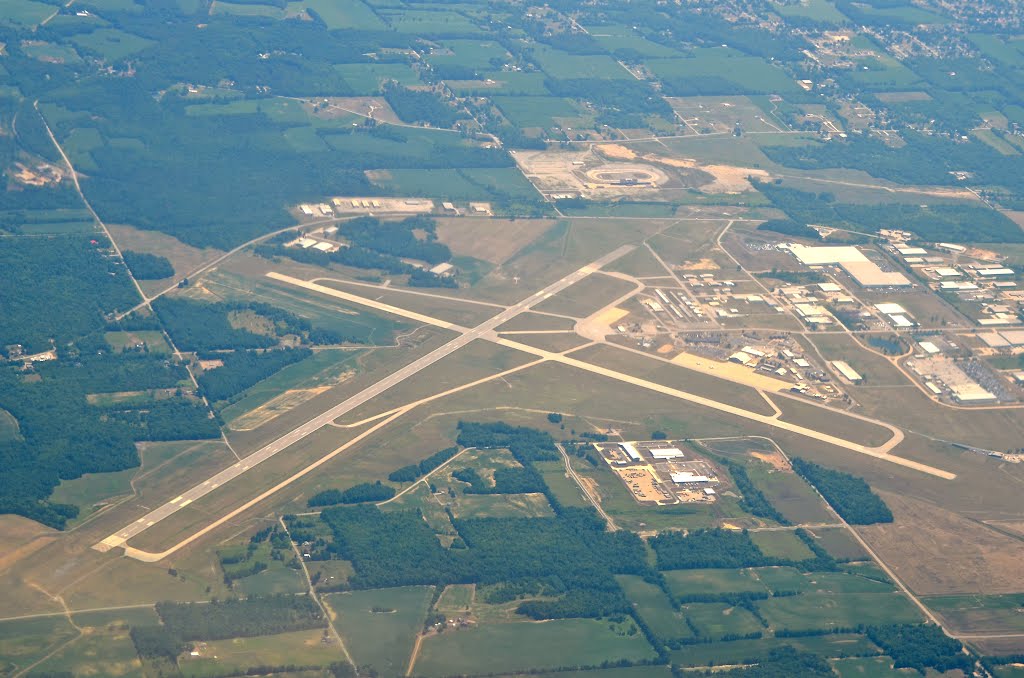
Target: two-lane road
pixel 316 423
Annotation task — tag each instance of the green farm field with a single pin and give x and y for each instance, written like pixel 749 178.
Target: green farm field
pixel 996 613
pixel 24 642
pixel 715 620
pixel 380 626
pixel 783 544
pixel 653 606
pixel 839 543
pixel 826 610
pixel 499 647
pixel 299 648
pixel 741 651
pixel 691 582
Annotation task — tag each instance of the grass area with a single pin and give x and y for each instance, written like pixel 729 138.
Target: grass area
pixel 24 12
pixel 366 79
pixel 270 582
pixel 752 75
pixel 875 667
pixel 380 626
pixel 783 544
pixel 525 111
pixel 93 490
pixel 715 620
pixel 240 9
pixel 653 606
pixel 688 582
pixel 508 648
pixel 430 21
pixel 790 494
pixel 153 339
pixel 456 599
pixel 320 368
pixel 819 11
pixel 352 14
pixel 564 488
pixel 840 543
pixel 998 613
pixel 110 43
pixel 503 506
pixel 25 641
pixel 104 649
pixel 237 655
pixel 829 610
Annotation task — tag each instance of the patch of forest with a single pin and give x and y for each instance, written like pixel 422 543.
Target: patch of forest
pixel 146 266
pixel 58 288
pixel 849 495
pixel 243 369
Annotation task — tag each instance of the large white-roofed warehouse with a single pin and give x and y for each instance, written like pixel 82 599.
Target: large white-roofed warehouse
pixel 853 261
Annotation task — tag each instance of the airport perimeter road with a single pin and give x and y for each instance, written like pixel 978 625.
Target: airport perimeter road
pixel 467 335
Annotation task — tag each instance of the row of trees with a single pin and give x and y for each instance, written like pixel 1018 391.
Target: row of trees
pixel 240 618
pixel 409 473
pixel 357 494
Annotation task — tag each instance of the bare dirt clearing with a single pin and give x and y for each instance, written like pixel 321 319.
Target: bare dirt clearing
pixel 935 551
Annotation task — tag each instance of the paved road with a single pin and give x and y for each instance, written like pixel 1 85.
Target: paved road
pixel 467 335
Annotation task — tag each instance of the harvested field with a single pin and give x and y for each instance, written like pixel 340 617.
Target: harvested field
pixel 938 552
pixel 493 240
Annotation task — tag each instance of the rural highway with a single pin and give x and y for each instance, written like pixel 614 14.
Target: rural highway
pixel 466 336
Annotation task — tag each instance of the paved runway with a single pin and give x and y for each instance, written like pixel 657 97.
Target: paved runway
pixel 145 522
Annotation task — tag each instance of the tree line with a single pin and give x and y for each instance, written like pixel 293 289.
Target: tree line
pixel 357 494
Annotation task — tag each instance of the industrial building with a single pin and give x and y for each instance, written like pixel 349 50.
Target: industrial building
pixel 853 261
pixel 848 372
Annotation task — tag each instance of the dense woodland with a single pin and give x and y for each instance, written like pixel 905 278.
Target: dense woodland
pixel 920 647
pixel 707 548
pixel 419 106
pixel 148 266
pixel 849 495
pixel 70 273
pixel 242 369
